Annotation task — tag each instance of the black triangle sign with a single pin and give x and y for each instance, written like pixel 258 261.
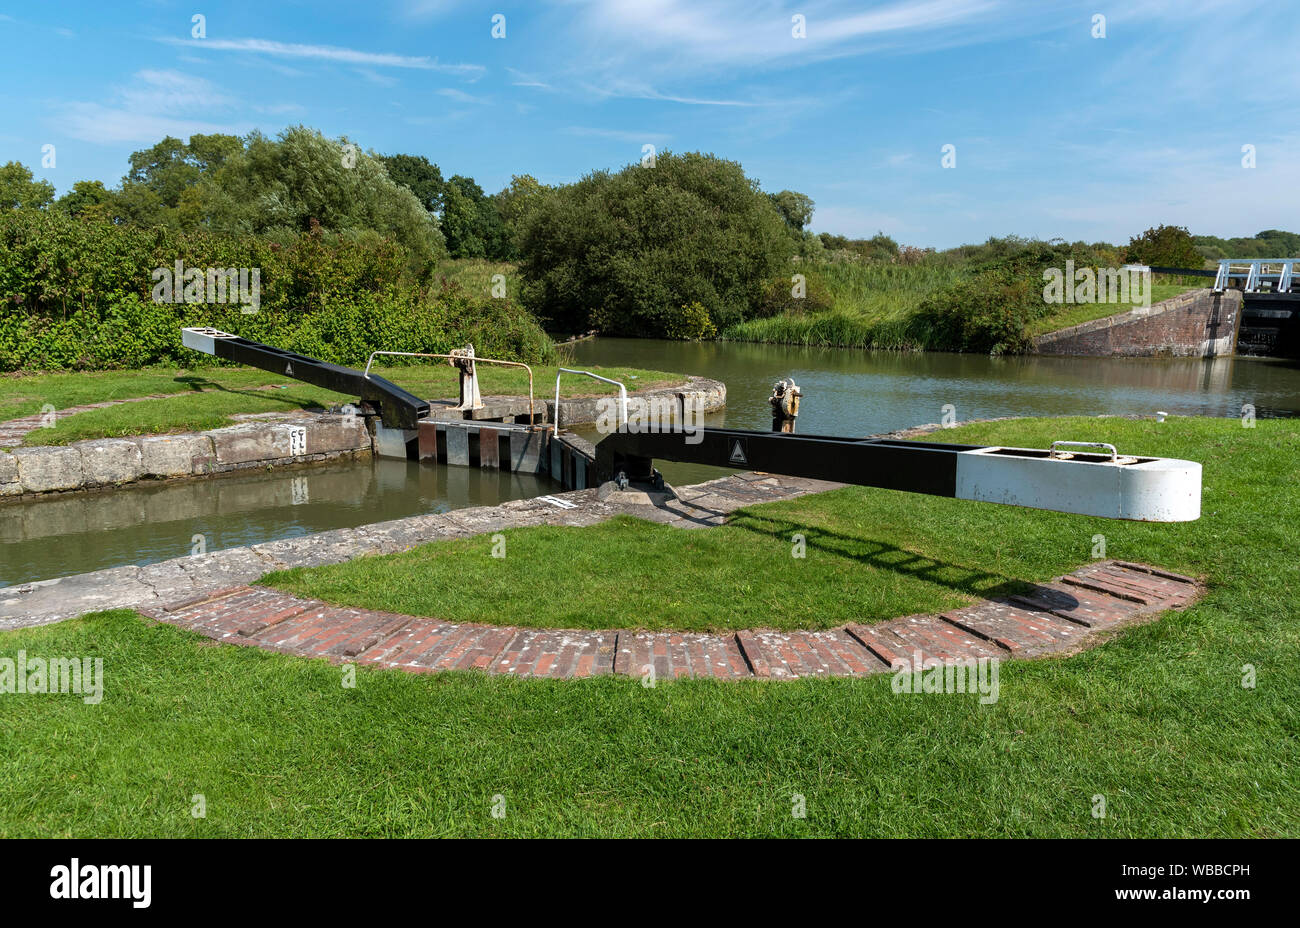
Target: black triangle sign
pixel 737 453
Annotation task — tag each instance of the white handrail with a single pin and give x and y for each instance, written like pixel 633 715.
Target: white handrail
pixel 458 357
pixel 622 394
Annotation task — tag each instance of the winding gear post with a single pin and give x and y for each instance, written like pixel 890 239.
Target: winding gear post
pixel 785 405
pixel 463 361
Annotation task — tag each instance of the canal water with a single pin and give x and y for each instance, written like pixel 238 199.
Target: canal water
pixel 846 392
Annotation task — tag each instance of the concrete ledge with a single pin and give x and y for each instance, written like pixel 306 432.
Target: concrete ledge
pixel 1197 324
pixel 104 462
pixel 710 394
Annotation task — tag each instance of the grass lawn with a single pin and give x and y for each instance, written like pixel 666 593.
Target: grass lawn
pixel 1156 720
pixel 212 394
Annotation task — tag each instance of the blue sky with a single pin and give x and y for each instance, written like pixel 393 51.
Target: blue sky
pixel 1056 133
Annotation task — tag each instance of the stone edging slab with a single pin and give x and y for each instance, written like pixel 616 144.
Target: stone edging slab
pixel 259 441
pixel 1063 616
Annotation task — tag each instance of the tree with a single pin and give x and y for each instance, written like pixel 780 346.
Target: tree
pixel 162 186
pixel 86 198
pixel 795 208
pixel 471 223
pixel 514 204
pixel 418 175
pixel 626 252
pixel 1164 246
pixel 19 189
pixel 302 181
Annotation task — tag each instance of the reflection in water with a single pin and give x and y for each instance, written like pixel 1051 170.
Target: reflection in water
pixel 81 532
pixel 853 392
pixel 849 392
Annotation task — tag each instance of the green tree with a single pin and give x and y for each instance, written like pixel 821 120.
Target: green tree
pixel 626 252
pixel 302 181
pixel 514 204
pixel 162 185
pixel 420 176
pixel 1164 246
pixel 86 198
pixel 795 208
pixel 19 189
pixel 471 223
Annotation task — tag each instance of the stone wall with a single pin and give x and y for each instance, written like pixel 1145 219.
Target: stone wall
pixel 1197 324
pixel 106 462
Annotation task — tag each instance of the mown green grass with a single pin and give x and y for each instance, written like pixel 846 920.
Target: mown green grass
pixel 207 398
pixel 872 553
pixel 1156 720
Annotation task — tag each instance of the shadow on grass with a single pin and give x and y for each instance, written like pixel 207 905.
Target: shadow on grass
pixel 960 578
pixel 204 385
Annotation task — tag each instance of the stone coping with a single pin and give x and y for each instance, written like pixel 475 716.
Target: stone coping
pixel 266 440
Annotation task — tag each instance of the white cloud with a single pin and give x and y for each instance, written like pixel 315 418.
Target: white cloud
pixel 702 33
pixel 631 137
pixel 461 97
pixel 93 122
pixel 155 104
pixel 328 53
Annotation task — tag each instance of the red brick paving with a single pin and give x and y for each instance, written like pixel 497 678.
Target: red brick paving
pixel 1050 618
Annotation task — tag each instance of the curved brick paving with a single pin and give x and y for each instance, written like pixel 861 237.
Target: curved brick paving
pixel 1058 616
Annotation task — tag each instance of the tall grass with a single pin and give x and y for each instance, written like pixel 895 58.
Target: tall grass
pixel 872 306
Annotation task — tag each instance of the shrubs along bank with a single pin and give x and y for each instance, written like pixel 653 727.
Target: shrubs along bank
pixel 88 294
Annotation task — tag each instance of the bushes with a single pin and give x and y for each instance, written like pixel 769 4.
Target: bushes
pixel 77 295
pixel 991 309
pixel 618 252
pixel 689 323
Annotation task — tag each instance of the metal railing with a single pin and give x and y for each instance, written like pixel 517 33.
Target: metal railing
pixel 461 357
pixel 1254 272
pixel 622 394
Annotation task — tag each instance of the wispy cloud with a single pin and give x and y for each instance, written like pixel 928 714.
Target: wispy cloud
pixel 632 137
pixel 333 53
pixel 461 96
pixel 156 103
pixel 698 34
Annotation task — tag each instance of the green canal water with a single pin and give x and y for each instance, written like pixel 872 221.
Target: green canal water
pixel 846 392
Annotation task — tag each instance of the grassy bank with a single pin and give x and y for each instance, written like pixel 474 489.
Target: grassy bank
pixel 206 398
pixel 876 306
pixel 1157 720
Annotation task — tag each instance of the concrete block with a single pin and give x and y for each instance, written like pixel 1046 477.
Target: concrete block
pixel 171 455
pixel 250 443
pixel 337 433
pixel 109 460
pixel 457 445
pixel 44 469
pixel 526 451
pixel 393 443
pixel 9 483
